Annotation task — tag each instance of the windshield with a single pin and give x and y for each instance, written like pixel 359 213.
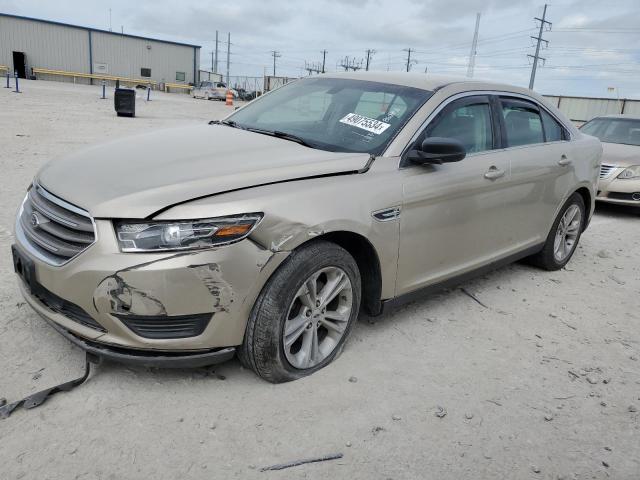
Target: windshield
pixel 334 114
pixel 614 130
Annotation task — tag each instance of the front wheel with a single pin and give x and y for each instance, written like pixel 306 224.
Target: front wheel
pixel 304 314
pixel 565 234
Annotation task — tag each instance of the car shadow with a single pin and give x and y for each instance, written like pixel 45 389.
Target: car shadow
pixel 617 211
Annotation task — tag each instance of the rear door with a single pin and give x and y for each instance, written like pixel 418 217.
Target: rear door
pixel 452 217
pixel 542 168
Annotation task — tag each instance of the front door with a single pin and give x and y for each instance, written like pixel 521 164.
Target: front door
pixel 451 219
pixel 19 64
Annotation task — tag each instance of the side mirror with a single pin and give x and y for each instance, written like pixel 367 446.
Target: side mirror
pixel 437 150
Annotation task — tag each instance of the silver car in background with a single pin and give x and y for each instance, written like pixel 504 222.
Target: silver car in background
pixel 210 90
pixel 620 173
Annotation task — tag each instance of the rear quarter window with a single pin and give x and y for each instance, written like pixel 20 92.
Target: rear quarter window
pixel 554 132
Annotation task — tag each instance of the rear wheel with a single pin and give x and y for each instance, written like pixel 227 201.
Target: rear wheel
pixel 304 314
pixel 565 234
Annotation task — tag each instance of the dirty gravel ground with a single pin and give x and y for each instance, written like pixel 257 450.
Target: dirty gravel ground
pixel 541 384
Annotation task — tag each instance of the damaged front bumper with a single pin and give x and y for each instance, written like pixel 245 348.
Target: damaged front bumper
pixel 182 309
pixel 147 358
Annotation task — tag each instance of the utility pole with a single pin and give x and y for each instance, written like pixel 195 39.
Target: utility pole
pixel 324 57
pixel 215 65
pixel 110 20
pixel 228 57
pixel 474 49
pixel 543 21
pixel 275 54
pixel 409 61
pixel 369 54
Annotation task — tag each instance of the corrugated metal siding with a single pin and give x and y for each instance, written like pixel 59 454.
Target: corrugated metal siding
pixel 125 56
pixel 66 48
pixel 44 45
pixel 632 107
pixel 583 109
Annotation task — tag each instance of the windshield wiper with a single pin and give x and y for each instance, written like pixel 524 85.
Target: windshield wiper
pixel 284 135
pixel 228 123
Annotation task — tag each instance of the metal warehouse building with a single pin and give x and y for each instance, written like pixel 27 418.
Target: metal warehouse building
pixel 29 45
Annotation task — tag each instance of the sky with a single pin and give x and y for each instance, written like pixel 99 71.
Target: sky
pixel 593 49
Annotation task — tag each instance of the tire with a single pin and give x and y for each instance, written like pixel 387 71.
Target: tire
pixel 278 305
pixel 546 258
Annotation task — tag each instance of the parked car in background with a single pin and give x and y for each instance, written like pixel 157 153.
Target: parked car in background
pixel 620 172
pixel 245 95
pixel 210 91
pixel 267 233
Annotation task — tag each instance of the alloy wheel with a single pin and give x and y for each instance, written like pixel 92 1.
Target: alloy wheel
pixel 318 317
pixel 567 233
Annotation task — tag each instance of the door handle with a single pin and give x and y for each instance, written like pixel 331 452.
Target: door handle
pixel 493 173
pixel 564 161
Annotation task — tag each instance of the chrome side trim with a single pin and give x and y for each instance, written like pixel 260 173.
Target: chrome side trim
pixel 387 214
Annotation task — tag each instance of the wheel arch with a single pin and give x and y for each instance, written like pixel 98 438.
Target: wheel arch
pixel 366 257
pixel 587 198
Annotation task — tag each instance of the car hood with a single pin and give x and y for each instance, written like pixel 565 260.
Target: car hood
pixel 620 154
pixel 137 176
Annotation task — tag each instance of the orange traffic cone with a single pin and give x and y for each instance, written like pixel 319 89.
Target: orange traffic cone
pixel 229 98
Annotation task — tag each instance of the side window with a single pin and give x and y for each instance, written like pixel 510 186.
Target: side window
pixel 469 123
pixel 553 131
pixel 522 123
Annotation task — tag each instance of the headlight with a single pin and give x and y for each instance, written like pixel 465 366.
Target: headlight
pixel 184 235
pixel 631 172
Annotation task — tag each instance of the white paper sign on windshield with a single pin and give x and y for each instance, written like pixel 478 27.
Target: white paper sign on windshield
pixel 365 123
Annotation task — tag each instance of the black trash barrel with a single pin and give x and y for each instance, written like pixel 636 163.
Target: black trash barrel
pixel 125 102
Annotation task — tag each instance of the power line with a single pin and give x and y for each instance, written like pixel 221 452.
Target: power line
pixel 539 39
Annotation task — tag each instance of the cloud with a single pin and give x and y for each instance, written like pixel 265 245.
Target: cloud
pixel 439 32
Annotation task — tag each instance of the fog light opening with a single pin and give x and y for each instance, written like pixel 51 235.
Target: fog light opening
pixel 636 196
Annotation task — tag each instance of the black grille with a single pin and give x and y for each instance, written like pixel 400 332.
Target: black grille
pixel 64 307
pixel 623 196
pixel 177 326
pixel 53 227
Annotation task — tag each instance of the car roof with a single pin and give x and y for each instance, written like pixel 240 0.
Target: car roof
pixel 426 81
pixel 627 116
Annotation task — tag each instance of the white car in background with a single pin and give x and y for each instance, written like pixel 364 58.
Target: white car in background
pixel 210 90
